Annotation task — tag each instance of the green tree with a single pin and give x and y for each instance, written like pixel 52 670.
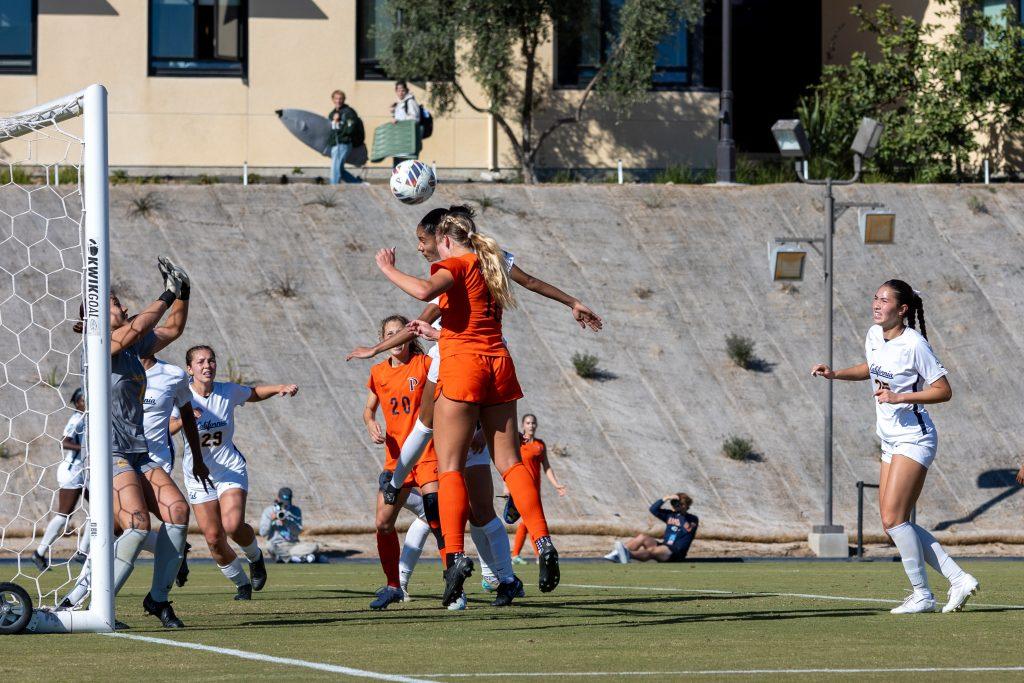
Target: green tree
pixel 942 95
pixel 495 43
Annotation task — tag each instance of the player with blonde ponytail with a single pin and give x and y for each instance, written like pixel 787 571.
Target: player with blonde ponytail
pixel 476 383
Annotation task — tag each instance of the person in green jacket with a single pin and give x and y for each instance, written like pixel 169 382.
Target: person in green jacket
pixel 346 127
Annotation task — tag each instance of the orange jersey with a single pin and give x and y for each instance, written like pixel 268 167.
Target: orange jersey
pixel 399 390
pixel 532 454
pixel 470 318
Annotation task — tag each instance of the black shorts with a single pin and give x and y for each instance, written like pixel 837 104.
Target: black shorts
pixel 675 556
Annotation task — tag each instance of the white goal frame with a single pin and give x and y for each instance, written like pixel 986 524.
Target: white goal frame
pixel 91 104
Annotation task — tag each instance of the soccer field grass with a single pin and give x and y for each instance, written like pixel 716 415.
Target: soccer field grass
pixel 634 622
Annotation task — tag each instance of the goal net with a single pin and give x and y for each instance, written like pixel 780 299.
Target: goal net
pixel 54 501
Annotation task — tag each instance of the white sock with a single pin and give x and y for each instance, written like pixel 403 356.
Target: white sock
pixel 81 588
pixel 412 449
pixel 414 504
pixel 84 539
pixel 483 549
pixel 415 539
pixel 149 545
pixel 54 529
pixel 500 549
pixel 936 556
pixel 252 551
pixel 126 551
pixel 912 554
pixel 170 549
pixel 235 573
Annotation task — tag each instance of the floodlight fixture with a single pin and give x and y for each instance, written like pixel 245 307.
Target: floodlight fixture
pixel 877 227
pixel 786 261
pixel 791 138
pixel 866 141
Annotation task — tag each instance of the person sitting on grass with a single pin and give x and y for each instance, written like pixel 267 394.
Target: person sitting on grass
pixel 680 530
pixel 281 524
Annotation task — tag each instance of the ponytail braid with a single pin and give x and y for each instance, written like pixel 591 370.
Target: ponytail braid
pixel 460 227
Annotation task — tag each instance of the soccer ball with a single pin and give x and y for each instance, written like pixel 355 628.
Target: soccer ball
pixel 412 182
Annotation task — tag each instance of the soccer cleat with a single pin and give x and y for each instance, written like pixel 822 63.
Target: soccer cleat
pixel 386 596
pixel 548 559
pixel 41 563
pixel 258 573
pixel 389 492
pixel 509 591
pixel 510 514
pixel 489 584
pixel 459 569
pixel 621 553
pixel 79 557
pixel 518 560
pixel 915 603
pixel 244 592
pixel 459 604
pixel 182 576
pixel 960 592
pixel 163 611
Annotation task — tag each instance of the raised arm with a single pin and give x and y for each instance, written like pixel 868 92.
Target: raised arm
pixel 581 313
pixel 418 288
pixel 173 326
pixel 265 391
pixel 429 315
pixel 141 325
pixel 854 373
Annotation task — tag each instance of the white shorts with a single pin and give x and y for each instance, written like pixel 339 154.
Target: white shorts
pixel 480 457
pixel 71 474
pixel 920 450
pixel 225 480
pixel 435 363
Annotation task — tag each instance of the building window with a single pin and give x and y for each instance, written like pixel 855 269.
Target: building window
pixel 585 45
pixel 18 36
pixel 373 24
pixel 197 37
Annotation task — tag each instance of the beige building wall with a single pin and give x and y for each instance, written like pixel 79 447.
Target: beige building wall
pixel 840 34
pixel 296 62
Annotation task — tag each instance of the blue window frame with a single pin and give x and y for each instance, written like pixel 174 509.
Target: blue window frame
pixel 585 45
pixel 198 38
pixel 18 36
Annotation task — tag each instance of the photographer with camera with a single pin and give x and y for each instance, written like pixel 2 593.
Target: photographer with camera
pixel 281 524
pixel 680 530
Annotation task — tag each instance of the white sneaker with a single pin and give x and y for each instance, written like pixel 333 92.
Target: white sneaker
pixel 960 592
pixel 915 604
pixel 459 604
pixel 621 552
pixel 613 556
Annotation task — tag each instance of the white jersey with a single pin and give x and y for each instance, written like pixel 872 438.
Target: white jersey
pixel 217 431
pixel 166 389
pixel 75 430
pixel 902 365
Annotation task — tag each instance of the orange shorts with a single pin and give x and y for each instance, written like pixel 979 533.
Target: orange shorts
pixel 472 378
pixel 425 471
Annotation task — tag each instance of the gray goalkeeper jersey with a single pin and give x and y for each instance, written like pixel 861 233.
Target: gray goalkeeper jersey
pixel 127 389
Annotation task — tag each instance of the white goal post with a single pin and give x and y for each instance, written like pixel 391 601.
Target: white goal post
pixel 54 184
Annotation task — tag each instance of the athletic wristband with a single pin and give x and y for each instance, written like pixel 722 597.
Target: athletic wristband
pixel 185 291
pixel 167 297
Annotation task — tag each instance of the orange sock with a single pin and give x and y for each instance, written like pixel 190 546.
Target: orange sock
pixel 453 501
pixel 517 547
pixel 389 551
pixel 526 495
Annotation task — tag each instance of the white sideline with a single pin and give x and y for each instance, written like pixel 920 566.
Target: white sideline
pixel 735 672
pixel 284 661
pixel 809 596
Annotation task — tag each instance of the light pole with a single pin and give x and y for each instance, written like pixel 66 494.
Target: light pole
pixel 826 539
pixel 726 152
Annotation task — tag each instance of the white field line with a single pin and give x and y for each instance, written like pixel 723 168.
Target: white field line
pixel 736 672
pixel 809 596
pixel 284 661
